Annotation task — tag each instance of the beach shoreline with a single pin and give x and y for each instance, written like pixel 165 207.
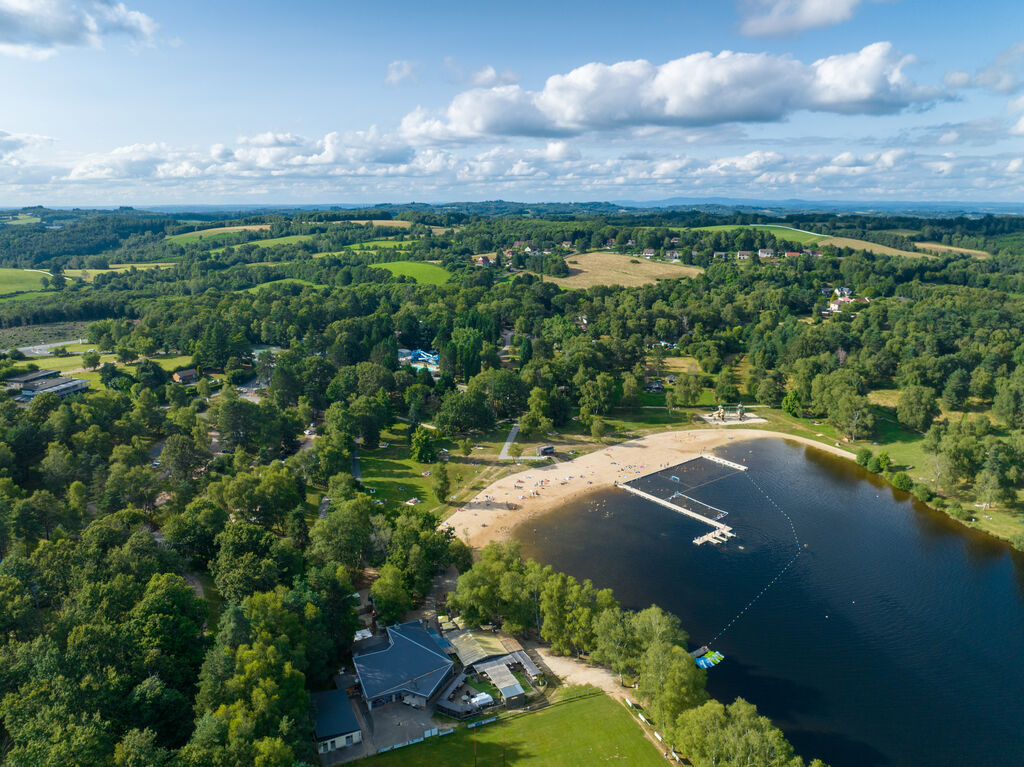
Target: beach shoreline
pixel 495 512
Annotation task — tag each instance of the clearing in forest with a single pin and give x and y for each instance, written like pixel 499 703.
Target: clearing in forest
pixel 606 268
pixel 421 271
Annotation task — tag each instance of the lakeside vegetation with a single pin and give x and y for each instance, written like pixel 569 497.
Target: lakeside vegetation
pixel 147 606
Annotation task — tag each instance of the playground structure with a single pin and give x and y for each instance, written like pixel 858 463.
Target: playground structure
pixel 726 416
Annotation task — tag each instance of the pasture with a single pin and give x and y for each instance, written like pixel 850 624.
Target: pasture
pixel 20 280
pixel 421 271
pixel 217 232
pixel 584 730
pixel 606 268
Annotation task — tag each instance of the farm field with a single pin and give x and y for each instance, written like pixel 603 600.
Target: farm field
pixel 781 232
pixel 939 247
pixel 584 730
pixel 421 271
pixel 217 232
pixel 17 280
pixel 606 268
pixel 870 247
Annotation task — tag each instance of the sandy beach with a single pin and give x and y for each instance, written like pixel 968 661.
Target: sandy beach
pixel 493 513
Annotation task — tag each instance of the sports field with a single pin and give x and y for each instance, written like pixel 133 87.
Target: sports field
pixel 18 280
pixel 605 268
pixel 584 731
pixel 421 271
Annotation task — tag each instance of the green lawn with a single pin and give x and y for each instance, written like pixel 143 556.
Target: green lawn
pixel 578 731
pixel 18 280
pixel 421 271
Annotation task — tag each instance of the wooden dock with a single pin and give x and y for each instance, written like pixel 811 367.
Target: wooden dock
pixel 730 464
pixel 720 534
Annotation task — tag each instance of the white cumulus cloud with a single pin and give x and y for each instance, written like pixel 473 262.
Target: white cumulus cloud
pixel 399 71
pixel 489 77
pixel 37 29
pixel 701 89
pixel 784 17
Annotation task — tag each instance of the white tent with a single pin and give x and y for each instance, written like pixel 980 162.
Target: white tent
pixel 481 700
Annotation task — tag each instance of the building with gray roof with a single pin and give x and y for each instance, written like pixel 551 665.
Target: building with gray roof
pixel 412 669
pixel 335 723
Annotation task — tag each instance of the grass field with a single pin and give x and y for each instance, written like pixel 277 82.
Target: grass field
pixel 587 730
pixel 217 232
pixel 21 219
pixel 88 275
pixel 17 280
pixel 606 268
pixel 421 271
pixel 269 243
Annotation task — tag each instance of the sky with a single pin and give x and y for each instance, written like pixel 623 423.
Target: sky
pixel 151 102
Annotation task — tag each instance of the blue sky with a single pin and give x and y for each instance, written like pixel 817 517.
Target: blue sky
pixel 147 102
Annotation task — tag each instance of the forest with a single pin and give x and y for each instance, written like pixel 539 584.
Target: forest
pixel 172 585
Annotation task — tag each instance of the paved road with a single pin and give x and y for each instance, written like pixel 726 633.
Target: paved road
pixel 503 455
pixel 44 349
pixel 355 466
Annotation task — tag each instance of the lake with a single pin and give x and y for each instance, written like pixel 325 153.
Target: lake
pixel 896 637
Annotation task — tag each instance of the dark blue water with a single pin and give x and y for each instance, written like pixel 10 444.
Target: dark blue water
pixel 895 638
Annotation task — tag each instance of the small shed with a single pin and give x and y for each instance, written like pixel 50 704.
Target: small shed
pixel 546 450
